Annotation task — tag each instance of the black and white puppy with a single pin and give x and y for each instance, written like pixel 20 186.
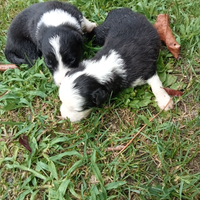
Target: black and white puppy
pixel 51 29
pixel 128 58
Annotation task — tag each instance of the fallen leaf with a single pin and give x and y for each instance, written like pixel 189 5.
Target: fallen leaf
pixel 174 93
pixel 117 148
pixel 24 141
pixel 166 35
pixel 4 67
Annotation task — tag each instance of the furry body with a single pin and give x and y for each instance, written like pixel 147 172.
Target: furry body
pixel 51 29
pixel 128 58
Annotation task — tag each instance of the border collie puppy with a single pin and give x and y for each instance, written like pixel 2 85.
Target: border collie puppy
pixel 51 29
pixel 128 58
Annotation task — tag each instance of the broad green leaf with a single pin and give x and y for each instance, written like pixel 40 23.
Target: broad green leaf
pixel 23 100
pixel 38 75
pixel 74 167
pixel 114 185
pixel 162 76
pixel 33 195
pixel 144 102
pixel 93 157
pixel 68 153
pixel 146 121
pixel 11 123
pixel 57 140
pixel 10 96
pixel 37 93
pixel 24 130
pixel 23 194
pixel 170 80
pixel 71 189
pixel 97 173
pixel 52 169
pixel 41 166
pixel 103 194
pixel 95 168
pixel 11 105
pixel 37 174
pixel 134 103
pixel 63 186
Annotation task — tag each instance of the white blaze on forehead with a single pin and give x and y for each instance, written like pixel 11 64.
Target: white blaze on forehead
pixel 61 69
pixel 55 43
pixel 102 70
pixel 58 17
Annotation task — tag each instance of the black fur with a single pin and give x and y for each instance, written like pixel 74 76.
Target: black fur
pixel 135 39
pixel 23 46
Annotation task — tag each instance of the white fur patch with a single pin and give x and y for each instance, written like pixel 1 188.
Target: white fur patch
pixel 60 72
pixel 58 17
pixel 73 115
pixel 69 95
pixel 71 100
pixel 102 70
pixel 137 82
pixel 162 98
pixel 55 43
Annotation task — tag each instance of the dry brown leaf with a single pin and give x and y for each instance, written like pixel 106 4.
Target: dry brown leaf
pixel 117 148
pixel 166 35
pixel 172 92
pixel 24 141
pixel 4 67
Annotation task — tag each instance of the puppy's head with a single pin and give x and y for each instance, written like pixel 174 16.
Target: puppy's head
pixel 61 48
pixel 78 94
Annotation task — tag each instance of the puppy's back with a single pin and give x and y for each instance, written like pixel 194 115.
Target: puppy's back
pixel 25 23
pixel 134 38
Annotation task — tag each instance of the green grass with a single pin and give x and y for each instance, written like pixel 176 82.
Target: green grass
pixel 71 160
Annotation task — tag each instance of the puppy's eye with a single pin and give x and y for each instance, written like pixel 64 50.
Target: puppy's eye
pixel 71 60
pixel 49 62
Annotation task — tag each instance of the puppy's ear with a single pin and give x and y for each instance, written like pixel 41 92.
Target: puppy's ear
pixel 99 96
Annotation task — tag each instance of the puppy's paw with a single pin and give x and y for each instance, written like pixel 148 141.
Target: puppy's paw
pixel 162 100
pixel 91 27
pixel 87 25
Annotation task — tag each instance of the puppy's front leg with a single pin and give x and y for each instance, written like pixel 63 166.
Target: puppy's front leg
pixel 87 25
pixel 162 98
